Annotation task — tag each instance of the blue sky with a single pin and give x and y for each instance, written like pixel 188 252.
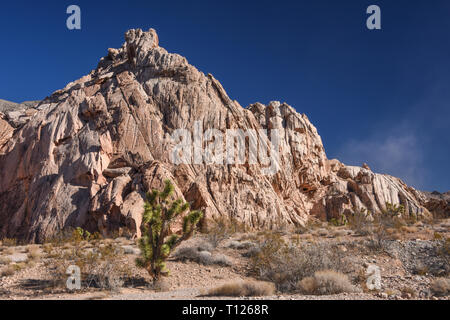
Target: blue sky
pixel 381 97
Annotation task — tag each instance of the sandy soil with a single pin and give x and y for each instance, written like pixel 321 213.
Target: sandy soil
pixel 35 267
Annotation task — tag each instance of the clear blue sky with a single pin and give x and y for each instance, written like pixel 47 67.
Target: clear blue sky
pixel 381 97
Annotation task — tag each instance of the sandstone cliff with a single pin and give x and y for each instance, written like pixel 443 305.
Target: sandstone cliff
pixel 86 155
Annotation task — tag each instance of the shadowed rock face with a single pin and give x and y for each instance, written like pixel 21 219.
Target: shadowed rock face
pixel 88 153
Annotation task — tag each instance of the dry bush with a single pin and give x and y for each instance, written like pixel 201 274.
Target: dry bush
pixel 286 264
pixel 186 253
pixel 359 221
pixel 5 260
pixel 200 256
pixel 440 287
pixel 8 271
pixel 325 282
pixel 222 229
pixel 221 260
pixel 110 276
pixel 9 242
pixel 408 292
pixel 33 252
pixel 10 250
pixel 409 229
pixel 161 285
pixel 243 289
pixel 70 236
pixel 47 248
pixel 241 245
pixel 205 246
pixel 386 225
pixel 100 267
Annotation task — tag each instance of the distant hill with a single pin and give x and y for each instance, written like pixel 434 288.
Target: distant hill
pixel 6 106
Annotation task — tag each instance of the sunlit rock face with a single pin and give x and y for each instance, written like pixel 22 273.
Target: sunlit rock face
pixel 87 155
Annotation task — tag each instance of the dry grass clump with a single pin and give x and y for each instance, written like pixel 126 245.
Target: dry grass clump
pixel 440 287
pixel 243 289
pixel 325 282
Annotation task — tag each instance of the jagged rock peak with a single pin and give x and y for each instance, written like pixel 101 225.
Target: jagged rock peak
pixel 89 153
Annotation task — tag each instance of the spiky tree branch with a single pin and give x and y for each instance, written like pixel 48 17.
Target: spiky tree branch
pixel 156 243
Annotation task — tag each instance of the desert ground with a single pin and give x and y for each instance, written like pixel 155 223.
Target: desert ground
pixel 227 263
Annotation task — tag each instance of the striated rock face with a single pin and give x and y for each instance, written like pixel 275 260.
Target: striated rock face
pixel 438 203
pixel 86 155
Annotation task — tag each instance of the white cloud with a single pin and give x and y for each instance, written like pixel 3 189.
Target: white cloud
pixel 397 153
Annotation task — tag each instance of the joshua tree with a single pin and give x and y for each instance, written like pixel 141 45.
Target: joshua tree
pixel 156 243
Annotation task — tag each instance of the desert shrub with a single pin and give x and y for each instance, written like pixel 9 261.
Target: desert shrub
pixel 8 271
pixel 409 229
pixel 286 264
pixel 33 252
pixel 9 242
pixel 243 289
pixel 101 267
pixel 252 252
pixel 47 248
pixel 5 260
pixel 200 256
pixel 70 235
pixel 337 222
pixel 186 253
pixel 385 224
pixel 205 246
pixel 241 245
pixel 440 287
pixel 221 260
pixel 359 221
pixel 159 213
pixel 408 292
pixel 222 229
pixel 160 285
pixel 325 282
pixel 109 276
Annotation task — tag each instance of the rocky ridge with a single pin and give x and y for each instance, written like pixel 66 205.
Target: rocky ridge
pixel 86 155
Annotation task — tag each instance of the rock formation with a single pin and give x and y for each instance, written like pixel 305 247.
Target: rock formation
pixel 86 155
pixel 438 203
